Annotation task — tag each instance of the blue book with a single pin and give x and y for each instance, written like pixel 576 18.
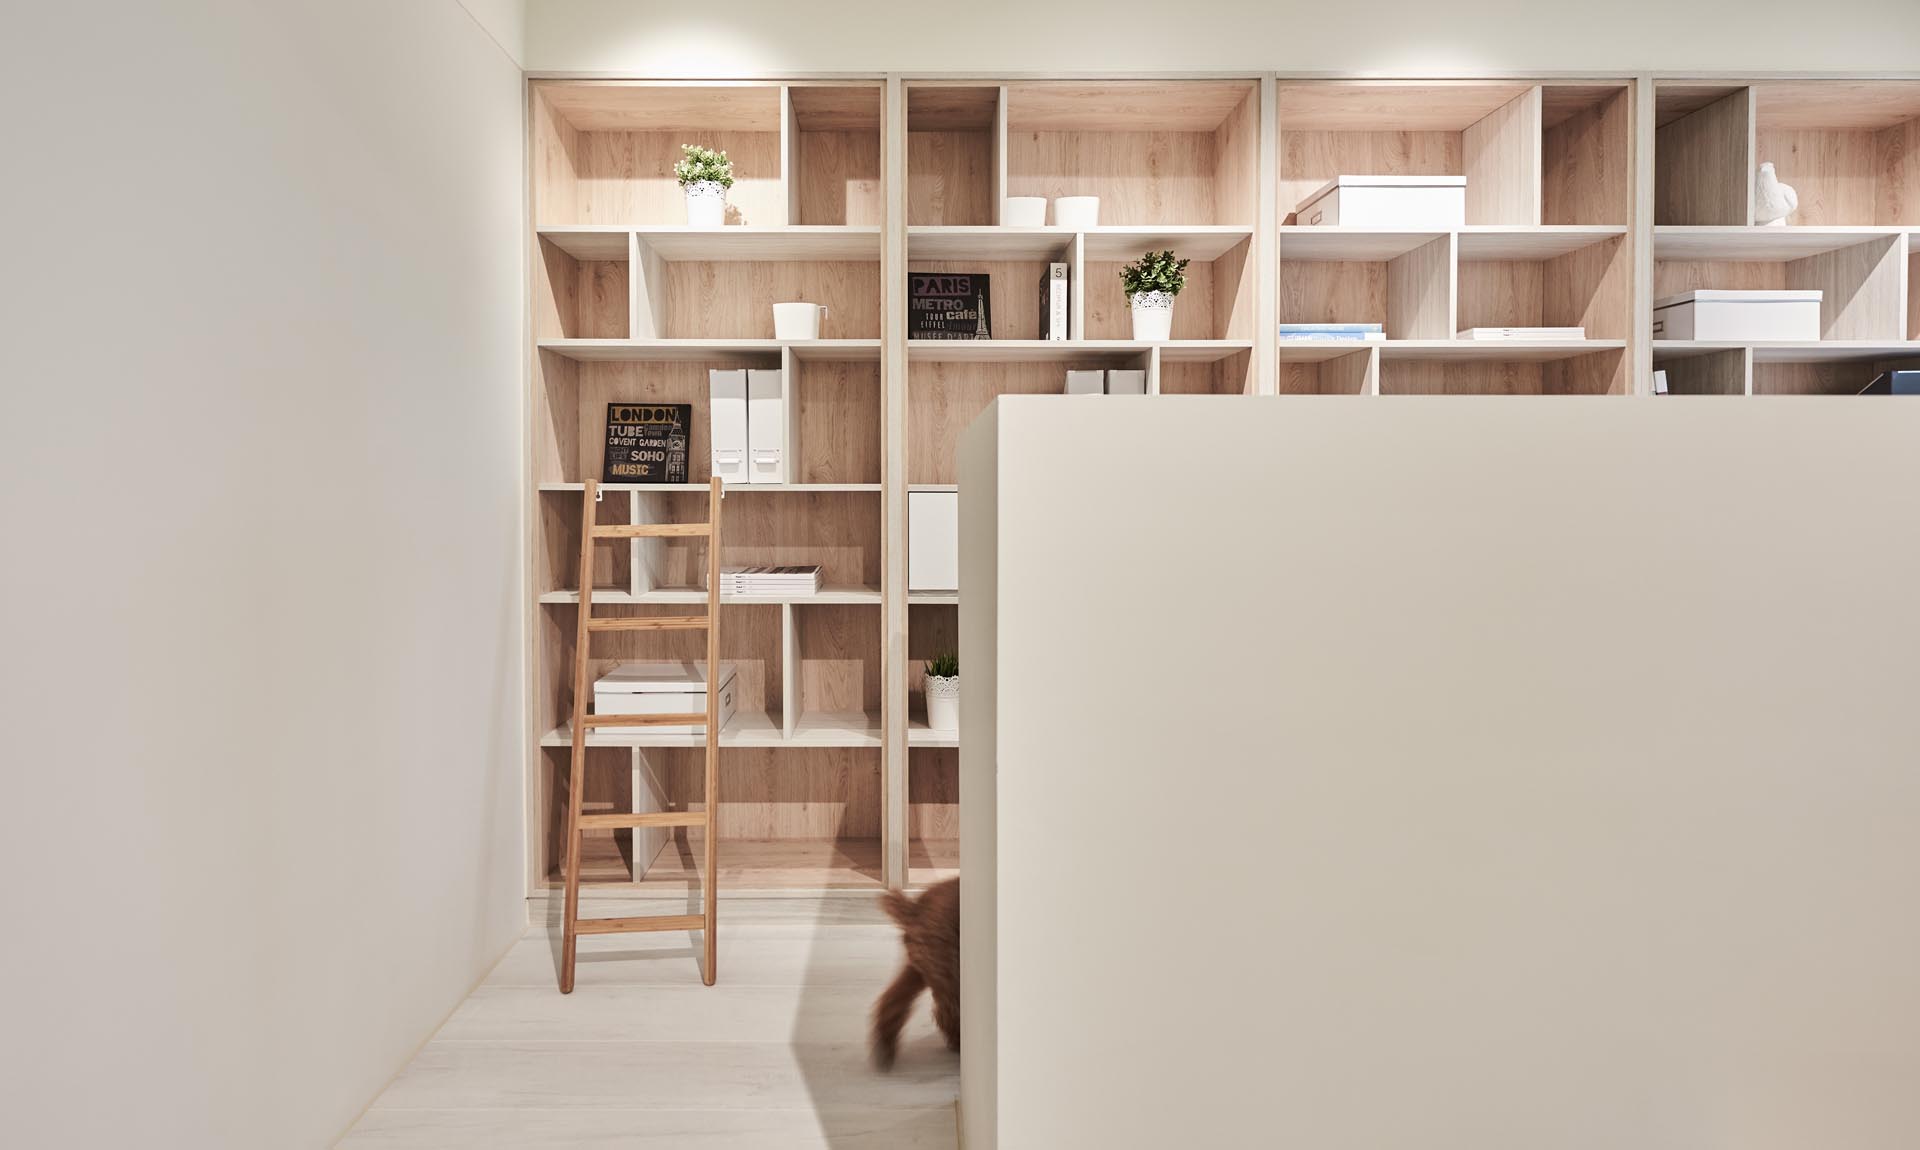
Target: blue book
pixel 1894 383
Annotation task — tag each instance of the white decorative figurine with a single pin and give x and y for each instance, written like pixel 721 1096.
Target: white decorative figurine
pixel 1773 201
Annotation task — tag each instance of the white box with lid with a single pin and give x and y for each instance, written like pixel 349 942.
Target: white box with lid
pixel 1387 202
pixel 665 687
pixel 1745 316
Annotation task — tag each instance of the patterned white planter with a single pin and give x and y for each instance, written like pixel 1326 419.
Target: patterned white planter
pixel 706 203
pixel 1152 315
pixel 943 702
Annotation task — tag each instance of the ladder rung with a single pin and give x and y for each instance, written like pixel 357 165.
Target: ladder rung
pixel 635 925
pixel 647 623
pixel 650 530
pixel 650 819
pixel 675 719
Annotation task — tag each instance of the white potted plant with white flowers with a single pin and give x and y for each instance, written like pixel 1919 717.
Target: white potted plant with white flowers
pixel 943 692
pixel 1151 282
pixel 705 175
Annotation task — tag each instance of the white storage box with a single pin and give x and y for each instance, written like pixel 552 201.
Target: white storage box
pixel 1126 381
pixel 1388 202
pixel 727 423
pixel 771 416
pixel 1086 383
pixel 664 687
pixel 933 541
pixel 1744 316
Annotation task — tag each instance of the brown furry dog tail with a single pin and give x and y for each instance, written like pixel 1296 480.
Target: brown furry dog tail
pixel 899 908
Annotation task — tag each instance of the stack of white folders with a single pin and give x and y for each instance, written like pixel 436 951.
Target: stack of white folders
pixel 799 580
pixel 1290 332
pixel 1523 333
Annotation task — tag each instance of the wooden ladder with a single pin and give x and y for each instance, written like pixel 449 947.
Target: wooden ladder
pixel 591 533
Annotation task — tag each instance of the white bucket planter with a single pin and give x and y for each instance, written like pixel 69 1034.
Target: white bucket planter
pixel 797 321
pixel 1023 211
pixel 1081 213
pixel 1152 316
pixel 706 203
pixel 943 702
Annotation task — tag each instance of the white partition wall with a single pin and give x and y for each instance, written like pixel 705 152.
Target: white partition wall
pixel 1441 774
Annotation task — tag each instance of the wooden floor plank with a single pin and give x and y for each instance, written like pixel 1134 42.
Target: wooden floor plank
pixel 724 1013
pixel 864 958
pixel 680 1130
pixel 671 1076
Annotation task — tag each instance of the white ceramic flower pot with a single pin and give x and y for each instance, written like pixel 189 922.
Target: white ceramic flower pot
pixel 1081 213
pixel 797 320
pixel 1152 316
pixel 943 702
pixel 1023 211
pixel 706 203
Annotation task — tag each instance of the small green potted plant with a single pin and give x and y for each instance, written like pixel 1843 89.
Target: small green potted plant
pixel 705 175
pixel 943 692
pixel 1151 282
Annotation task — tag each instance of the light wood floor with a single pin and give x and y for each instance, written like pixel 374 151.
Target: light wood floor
pixel 641 1054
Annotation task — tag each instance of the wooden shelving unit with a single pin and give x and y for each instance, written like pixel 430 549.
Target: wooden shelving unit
pixel 1587 198
pixel 1851 149
pixel 1548 238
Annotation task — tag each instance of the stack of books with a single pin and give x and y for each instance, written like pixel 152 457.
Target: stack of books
pixel 1354 332
pixel 1523 333
pixel 781 581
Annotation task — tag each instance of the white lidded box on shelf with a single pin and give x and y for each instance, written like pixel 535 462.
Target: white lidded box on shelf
pixel 1388 202
pixel 1756 316
pixel 664 687
pixel 933 541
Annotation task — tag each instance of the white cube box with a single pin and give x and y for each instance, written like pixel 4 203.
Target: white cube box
pixel 933 541
pixel 1127 381
pixel 1739 316
pixel 1388 202
pixel 665 687
pixel 1082 382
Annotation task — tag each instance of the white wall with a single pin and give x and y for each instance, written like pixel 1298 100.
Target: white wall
pixel 1441 772
pixel 261 598
pixel 1385 36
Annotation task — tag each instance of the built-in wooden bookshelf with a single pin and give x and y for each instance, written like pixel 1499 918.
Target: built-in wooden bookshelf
pixel 1851 149
pixel 1548 238
pixel 1587 198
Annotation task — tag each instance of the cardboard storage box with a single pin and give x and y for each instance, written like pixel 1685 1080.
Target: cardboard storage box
pixel 1742 316
pixel 1388 202
pixel 933 540
pixel 664 687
